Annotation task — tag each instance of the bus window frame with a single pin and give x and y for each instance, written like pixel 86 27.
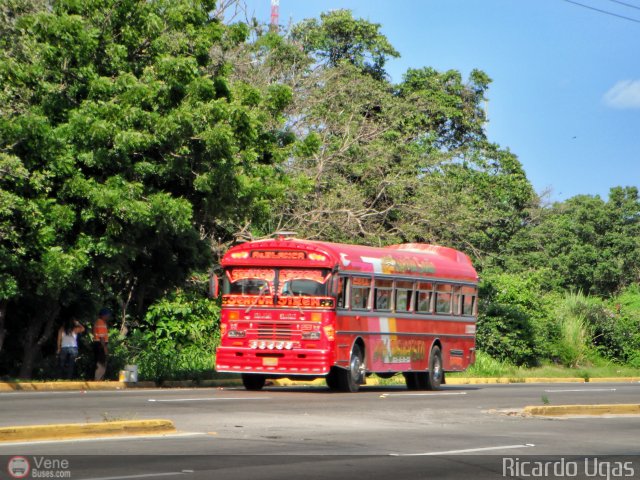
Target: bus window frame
pixel 429 291
pixel 438 292
pixel 344 292
pixel 369 295
pixel 410 295
pixel 389 294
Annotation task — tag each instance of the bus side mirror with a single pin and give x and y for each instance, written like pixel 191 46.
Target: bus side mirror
pixel 214 286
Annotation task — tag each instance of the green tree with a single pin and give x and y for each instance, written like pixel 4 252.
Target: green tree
pixel 514 320
pixel 585 242
pixel 125 151
pixel 338 37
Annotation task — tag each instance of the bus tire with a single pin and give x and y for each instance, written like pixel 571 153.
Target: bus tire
pixel 411 379
pixel 422 380
pixel 350 379
pixel 333 378
pixel 433 378
pixel 252 381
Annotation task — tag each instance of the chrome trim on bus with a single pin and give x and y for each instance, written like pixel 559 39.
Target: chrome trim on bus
pixel 406 316
pixel 448 335
pixel 390 276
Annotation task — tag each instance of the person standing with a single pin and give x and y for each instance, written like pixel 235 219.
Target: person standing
pixel 68 347
pixel 101 343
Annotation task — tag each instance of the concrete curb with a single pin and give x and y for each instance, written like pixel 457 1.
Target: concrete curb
pixel 47 386
pixel 562 410
pixel 507 380
pixel 614 380
pixel 82 430
pixel 283 382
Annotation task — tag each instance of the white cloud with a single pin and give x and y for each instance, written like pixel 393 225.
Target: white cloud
pixel 624 94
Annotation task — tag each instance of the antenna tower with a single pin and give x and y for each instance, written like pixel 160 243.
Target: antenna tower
pixel 275 14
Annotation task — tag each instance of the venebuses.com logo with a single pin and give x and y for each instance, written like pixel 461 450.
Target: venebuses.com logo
pixel 38 467
pixel 18 467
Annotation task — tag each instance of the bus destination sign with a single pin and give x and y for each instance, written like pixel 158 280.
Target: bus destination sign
pixel 278 254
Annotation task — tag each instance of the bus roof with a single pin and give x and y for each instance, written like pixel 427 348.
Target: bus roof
pixel 411 259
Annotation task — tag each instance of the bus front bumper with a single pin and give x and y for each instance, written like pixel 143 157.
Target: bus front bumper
pixel 274 362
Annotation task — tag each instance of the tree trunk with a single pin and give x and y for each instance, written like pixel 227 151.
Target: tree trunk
pixel 38 333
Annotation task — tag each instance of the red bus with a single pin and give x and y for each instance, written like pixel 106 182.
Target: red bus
pixel 306 309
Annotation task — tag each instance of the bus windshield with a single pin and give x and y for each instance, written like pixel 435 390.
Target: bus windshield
pixel 303 282
pixel 284 281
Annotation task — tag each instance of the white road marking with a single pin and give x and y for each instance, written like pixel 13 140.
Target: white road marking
pixel 206 399
pixel 385 395
pixel 142 475
pixel 581 390
pixel 80 391
pixel 118 438
pixel 466 450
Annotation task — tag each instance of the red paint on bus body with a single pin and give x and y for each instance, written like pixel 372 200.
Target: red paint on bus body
pixel 268 333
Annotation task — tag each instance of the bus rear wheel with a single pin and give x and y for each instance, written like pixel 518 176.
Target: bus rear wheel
pixel 411 379
pixel 252 381
pixel 432 379
pixel 349 379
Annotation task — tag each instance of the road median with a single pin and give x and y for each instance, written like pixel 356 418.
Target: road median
pixel 572 410
pixel 66 431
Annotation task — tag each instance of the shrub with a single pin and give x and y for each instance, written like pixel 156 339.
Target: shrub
pixel 573 314
pixel 616 329
pixel 514 323
pixel 177 338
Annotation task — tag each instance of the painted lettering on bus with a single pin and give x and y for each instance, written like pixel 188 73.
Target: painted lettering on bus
pixel 246 301
pixel 279 255
pixel 408 265
pixel 399 350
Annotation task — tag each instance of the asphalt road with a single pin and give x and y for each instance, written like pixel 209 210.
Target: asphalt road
pixel 312 432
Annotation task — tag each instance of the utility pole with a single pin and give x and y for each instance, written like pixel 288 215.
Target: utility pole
pixel 275 15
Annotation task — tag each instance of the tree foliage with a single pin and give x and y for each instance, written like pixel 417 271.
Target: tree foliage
pixel 585 243
pixel 124 151
pixel 137 139
pixel 338 37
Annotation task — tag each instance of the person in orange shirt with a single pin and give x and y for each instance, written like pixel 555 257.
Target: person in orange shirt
pixel 101 342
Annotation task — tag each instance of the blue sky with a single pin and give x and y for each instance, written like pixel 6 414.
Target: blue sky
pixel 565 96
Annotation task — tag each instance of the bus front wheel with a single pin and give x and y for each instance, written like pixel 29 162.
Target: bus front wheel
pixel 251 381
pixel 333 378
pixel 349 379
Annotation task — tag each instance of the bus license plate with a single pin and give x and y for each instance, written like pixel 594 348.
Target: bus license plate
pixel 269 361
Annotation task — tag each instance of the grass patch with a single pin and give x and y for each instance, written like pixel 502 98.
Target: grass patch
pixel 486 366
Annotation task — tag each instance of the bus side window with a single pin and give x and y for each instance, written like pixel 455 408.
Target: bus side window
pixel 342 292
pixel 443 298
pixel 382 295
pixel 360 290
pixel 457 298
pixel 404 292
pixel 424 296
pixel 468 300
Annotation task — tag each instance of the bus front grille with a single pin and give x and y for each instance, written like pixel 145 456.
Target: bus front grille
pixel 275 331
